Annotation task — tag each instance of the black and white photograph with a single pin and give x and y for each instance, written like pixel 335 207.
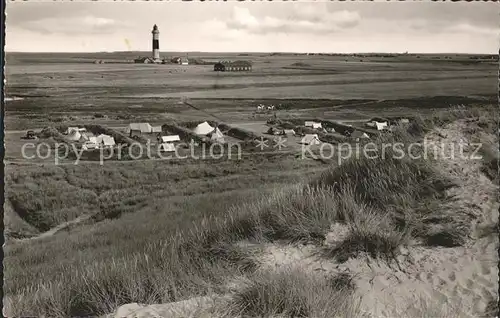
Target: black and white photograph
pixel 239 159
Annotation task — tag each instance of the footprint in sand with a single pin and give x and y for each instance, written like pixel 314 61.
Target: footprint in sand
pixel 469 283
pixel 485 294
pixel 484 282
pixel 452 276
pixel 429 277
pixel 485 269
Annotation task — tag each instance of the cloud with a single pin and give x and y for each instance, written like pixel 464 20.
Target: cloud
pixel 88 24
pixel 309 19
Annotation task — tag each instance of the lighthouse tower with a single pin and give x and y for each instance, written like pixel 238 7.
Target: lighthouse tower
pixel 156 44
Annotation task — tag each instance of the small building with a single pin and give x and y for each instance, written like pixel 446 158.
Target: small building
pixel 144 60
pixel 289 132
pixel 171 138
pixel 183 61
pixel 313 124
pixel 310 139
pixel 316 125
pixel 236 66
pixel 135 129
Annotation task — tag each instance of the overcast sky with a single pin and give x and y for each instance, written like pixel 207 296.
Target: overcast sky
pixel 426 27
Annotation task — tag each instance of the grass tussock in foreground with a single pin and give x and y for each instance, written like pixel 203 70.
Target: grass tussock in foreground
pixel 293 294
pixel 383 203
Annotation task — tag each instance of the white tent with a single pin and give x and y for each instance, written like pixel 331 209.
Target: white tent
pixel 217 135
pixel 289 132
pixel 144 128
pixel 74 135
pixel 404 121
pixel 171 138
pixel 316 125
pixel 310 139
pixel 381 126
pixel 156 129
pixel 309 123
pixel 105 140
pixel 168 147
pixel 203 129
pixel 70 129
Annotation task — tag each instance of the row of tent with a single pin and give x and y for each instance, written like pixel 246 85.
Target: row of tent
pixel 90 141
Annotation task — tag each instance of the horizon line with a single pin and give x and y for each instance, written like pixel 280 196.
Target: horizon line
pixel 253 52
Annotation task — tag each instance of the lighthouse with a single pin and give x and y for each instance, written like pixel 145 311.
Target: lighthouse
pixel 156 44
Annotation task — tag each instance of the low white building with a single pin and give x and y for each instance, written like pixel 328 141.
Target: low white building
pixel 171 138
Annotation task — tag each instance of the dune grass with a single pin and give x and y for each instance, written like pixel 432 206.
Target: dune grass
pixel 293 294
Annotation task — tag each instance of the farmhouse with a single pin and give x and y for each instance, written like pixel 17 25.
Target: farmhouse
pixel 310 139
pixel 203 129
pixel 236 66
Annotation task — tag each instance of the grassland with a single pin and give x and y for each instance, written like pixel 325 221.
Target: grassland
pixel 168 231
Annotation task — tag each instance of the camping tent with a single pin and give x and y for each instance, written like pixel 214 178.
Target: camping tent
pixel 105 141
pixel 310 139
pixel 381 126
pixel 144 128
pixel 203 129
pixel 167 147
pixel 74 135
pixel 217 135
pixel 171 138
pixel 70 129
